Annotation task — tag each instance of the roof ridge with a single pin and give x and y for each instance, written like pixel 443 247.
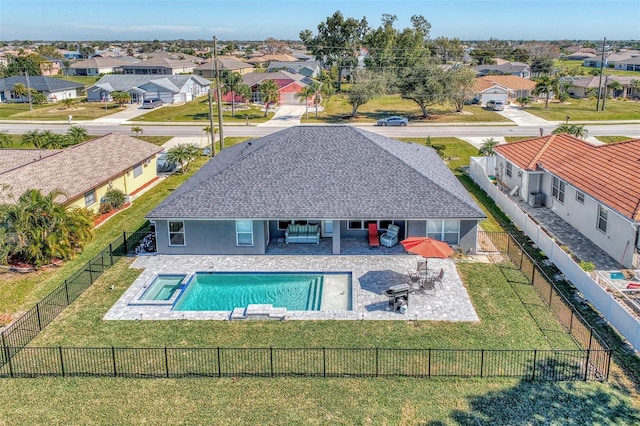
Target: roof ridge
pixel 542 150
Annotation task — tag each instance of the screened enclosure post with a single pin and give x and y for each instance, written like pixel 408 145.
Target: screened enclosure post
pixel 324 363
pixel 219 365
pixel 38 313
pixel 113 359
pixel 535 360
pixel 124 243
pixel 61 360
pixel 111 254
pixel 166 361
pixel 377 362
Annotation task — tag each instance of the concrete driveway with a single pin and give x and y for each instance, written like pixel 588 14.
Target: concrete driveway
pixel 286 115
pixel 523 118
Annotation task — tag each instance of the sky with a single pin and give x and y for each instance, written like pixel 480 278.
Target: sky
pixel 284 19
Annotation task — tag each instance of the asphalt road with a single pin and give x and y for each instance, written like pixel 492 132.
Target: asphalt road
pixel 629 130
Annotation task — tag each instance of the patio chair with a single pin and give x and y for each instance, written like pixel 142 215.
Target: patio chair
pixel 390 238
pixel 374 240
pixel 435 279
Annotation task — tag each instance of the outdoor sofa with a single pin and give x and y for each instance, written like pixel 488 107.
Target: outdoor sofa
pixel 302 234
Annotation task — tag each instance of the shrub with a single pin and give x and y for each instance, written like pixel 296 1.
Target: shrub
pixel 105 207
pixel 115 197
pixel 587 266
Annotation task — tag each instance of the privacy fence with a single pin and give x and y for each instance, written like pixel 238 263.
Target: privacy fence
pixel 19 360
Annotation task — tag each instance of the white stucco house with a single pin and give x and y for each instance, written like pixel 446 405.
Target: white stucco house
pixel 169 88
pixel 595 189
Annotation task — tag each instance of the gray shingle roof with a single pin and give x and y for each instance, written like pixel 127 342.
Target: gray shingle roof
pixel 125 82
pixel 39 83
pixel 336 172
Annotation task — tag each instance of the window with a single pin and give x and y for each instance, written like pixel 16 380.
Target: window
pixel 137 170
pixel 89 198
pixel 444 230
pixel 283 224
pixel 557 189
pixel 602 219
pixel 580 197
pixel 244 232
pixel 176 233
pixel 509 171
pixel 364 224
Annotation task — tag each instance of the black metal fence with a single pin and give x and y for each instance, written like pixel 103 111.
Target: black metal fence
pixel 577 326
pixel 534 365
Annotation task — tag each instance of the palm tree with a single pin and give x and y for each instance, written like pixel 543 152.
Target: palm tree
pixel 67 102
pixel 487 146
pixel 231 80
pixel 305 94
pixel 572 129
pixel 33 138
pixel 183 154
pixel 77 134
pixel 20 90
pixel 5 139
pixel 544 85
pixel 635 84
pixel 269 92
pixel 615 86
pixel 137 130
pixel 52 140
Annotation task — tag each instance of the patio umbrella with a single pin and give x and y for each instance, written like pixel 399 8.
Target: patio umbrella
pixel 427 247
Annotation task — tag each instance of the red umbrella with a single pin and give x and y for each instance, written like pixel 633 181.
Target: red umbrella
pixel 427 247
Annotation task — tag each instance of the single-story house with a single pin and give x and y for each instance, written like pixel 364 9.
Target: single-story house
pixel 169 88
pixel 97 66
pixel 290 84
pixel 174 56
pixel 596 189
pixel 51 66
pixel 518 69
pixel 611 59
pixel 340 178
pixel 84 172
pixel 580 56
pixel 580 87
pixel 504 88
pixel 630 64
pixel 225 63
pixel 264 60
pixel 55 89
pixel 307 68
pixel 160 66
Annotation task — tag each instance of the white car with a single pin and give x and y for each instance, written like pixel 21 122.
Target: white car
pixel 393 121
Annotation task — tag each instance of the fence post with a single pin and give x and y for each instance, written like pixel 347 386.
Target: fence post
pixel 7 354
pixel 481 363
pixel 90 273
pixel 533 272
pixel 377 361
pixel 324 363
pixel 61 360
pixel 124 243
pixel 113 359
pixel 550 292
pixel 166 362
pixel 535 360
pixel 271 359
pixel 571 322
pixel 38 312
pixel 66 290
pixel 111 253
pixel 429 364
pixel 219 365
pixel 586 364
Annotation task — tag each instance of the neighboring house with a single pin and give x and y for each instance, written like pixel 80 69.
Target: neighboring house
pixel 629 64
pixel 307 68
pixel 51 66
pixel 55 89
pixel 339 177
pixel 169 88
pixel 580 56
pixel 581 87
pixel 612 59
pixel 596 189
pixel 97 65
pixel 289 84
pixel 264 60
pixel 225 63
pixel 503 88
pixel 84 172
pixel 72 54
pixel 174 56
pixel 160 66
pixel 518 69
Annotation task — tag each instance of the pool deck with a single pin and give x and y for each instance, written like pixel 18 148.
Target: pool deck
pixel 372 275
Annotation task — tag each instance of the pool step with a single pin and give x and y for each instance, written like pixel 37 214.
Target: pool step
pixel 259 311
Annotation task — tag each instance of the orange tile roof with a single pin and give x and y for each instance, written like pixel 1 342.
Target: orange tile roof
pixel 608 173
pixel 512 82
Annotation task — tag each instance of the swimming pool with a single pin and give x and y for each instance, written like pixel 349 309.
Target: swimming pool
pixel 164 289
pixel 225 291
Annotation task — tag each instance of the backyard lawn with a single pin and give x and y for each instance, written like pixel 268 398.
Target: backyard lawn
pixel 198 111
pixel 584 110
pixel 338 110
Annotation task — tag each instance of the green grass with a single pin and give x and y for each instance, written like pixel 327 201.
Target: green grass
pixel 612 139
pixel 156 140
pixel 584 110
pixel 288 401
pixel 575 68
pixel 338 110
pixel 198 111
pixel 57 112
pixel 500 294
pixel 86 80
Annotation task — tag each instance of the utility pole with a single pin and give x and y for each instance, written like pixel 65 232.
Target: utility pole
pixel 211 128
pixel 606 84
pixel 218 94
pixel 26 76
pixel 604 42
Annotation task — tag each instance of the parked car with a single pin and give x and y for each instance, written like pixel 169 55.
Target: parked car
pixel 495 105
pixel 393 121
pixel 151 103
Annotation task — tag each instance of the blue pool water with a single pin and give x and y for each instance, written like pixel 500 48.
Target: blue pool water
pixel 226 291
pixel 163 287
